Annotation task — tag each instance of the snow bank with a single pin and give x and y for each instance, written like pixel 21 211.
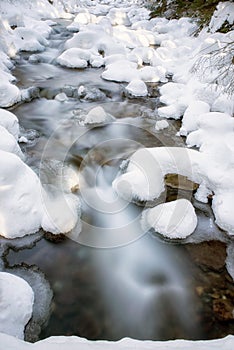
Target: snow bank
pixel 16 304
pixel 8 143
pixel 10 122
pixel 175 219
pixel 9 94
pixel 26 206
pixel 76 343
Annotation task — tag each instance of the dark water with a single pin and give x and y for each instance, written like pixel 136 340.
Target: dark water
pixel 142 287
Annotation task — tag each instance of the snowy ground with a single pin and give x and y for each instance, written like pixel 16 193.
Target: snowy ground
pixel 135 50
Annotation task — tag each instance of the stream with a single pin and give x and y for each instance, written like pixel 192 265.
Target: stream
pixel 112 280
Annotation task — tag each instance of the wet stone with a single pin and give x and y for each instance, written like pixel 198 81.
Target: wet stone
pixel 223 309
pixel 211 255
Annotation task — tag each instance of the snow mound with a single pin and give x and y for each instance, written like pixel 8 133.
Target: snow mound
pixel 16 304
pixel 10 122
pixel 161 124
pixel 29 207
pixel 9 94
pixel 121 71
pixel 137 88
pixel 96 115
pixel 173 220
pixel 8 143
pixel 74 58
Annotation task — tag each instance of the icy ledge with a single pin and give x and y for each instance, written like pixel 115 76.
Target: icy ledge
pixel 76 343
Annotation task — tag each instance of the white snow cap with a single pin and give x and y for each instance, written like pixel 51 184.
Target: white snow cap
pixel 26 207
pixel 173 220
pixel 16 305
pixel 137 88
pixel 9 121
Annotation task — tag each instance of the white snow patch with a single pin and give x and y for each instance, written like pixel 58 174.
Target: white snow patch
pixel 76 343
pixel 137 88
pixel 16 304
pixel 9 94
pixel 96 115
pixel 8 143
pixel 74 58
pixel 161 124
pixel 176 219
pixel 9 121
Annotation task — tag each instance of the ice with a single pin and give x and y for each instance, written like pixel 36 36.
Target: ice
pixel 176 219
pixel 16 304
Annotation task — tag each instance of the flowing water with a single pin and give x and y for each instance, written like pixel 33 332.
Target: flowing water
pixel 113 280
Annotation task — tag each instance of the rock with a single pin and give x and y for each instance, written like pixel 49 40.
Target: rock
pixel 181 182
pixel 223 309
pixel 210 254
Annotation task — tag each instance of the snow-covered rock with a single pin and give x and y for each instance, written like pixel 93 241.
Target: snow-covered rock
pixel 121 71
pixel 176 219
pixel 8 143
pixel 9 94
pixel 25 205
pixel 16 304
pixel 161 124
pixel 137 88
pixel 74 58
pixel 10 122
pixel 96 115
pixel 191 115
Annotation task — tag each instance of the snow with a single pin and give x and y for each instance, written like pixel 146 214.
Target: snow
pixel 8 143
pixel 134 50
pixel 161 124
pixel 74 58
pixel 96 115
pixel 25 210
pixel 176 219
pixel 9 94
pixel 224 12
pixel 76 343
pixel 137 88
pixel 121 71
pixel 143 178
pixel 16 304
pixel 10 122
